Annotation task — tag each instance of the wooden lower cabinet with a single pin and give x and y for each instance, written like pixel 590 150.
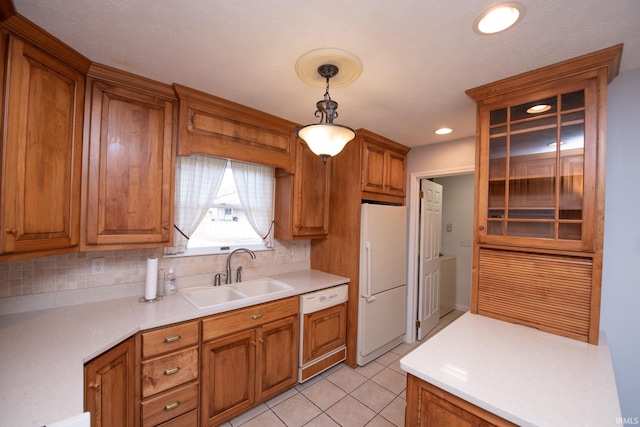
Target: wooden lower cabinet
pixel 250 358
pixel 428 405
pixel 109 387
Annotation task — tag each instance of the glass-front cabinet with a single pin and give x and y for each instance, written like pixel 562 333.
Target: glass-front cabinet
pixel 534 152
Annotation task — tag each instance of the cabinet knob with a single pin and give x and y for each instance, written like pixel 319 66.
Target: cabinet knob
pixel 94 385
pixel 257 316
pixel 481 228
pixel 12 231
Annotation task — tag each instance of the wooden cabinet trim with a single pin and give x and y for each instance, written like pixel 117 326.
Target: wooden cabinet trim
pixel 217 127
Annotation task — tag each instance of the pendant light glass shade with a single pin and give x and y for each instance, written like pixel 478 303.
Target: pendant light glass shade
pixel 326 139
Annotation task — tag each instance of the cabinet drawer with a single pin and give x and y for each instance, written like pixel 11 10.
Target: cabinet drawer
pixel 249 317
pixel 169 371
pixel 170 405
pixel 169 338
pixel 190 419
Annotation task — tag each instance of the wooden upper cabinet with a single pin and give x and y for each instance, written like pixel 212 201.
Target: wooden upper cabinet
pixel 42 147
pixel 221 128
pixel 130 164
pixel 302 198
pixel 540 196
pixel 384 165
pixel 540 173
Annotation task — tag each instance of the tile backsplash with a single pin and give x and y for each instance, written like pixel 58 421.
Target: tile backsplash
pixel 72 271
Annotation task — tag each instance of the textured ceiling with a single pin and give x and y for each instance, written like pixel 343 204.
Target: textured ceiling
pixel 419 56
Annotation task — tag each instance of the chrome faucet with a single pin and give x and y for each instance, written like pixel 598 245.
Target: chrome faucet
pixel 238 277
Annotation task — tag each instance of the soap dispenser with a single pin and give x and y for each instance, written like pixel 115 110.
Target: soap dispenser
pixel 170 283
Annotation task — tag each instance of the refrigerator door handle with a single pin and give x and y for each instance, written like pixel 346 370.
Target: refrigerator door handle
pixel 367 251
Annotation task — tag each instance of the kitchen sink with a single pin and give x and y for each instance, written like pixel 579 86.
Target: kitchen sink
pixel 257 287
pixel 211 296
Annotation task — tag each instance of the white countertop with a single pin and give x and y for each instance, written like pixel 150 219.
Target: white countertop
pixel 42 353
pixel 526 376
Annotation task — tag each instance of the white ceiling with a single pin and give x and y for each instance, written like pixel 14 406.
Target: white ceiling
pixel 419 56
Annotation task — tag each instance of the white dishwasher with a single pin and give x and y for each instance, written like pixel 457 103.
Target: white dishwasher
pixel 323 330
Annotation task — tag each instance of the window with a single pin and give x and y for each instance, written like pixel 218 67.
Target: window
pixel 225 224
pixel 222 205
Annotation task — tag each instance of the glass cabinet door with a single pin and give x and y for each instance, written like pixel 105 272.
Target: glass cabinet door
pixel 536 163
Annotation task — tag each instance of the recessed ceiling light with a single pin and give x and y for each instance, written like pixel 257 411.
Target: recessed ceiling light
pixel 443 131
pixel 537 109
pixel 498 18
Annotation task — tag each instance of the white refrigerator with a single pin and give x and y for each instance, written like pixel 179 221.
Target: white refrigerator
pixel 382 302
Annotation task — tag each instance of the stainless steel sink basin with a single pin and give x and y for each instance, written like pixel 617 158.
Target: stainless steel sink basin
pixel 258 287
pixel 211 296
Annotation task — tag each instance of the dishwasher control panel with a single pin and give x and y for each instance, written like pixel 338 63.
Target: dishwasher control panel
pixel 323 298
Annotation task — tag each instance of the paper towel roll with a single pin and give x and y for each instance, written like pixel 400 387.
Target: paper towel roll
pixel 151 287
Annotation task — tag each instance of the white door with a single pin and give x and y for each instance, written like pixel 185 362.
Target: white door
pixel 430 237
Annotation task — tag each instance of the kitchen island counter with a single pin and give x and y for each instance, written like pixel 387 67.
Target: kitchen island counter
pixel 521 374
pixel 44 351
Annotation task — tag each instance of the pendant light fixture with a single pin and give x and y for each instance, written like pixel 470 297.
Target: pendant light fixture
pixel 326 139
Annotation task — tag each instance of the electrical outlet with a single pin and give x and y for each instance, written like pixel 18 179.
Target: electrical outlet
pixel 281 251
pixel 292 250
pixel 97 266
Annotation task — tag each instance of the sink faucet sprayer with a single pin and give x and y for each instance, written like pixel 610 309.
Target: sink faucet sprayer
pixel 238 277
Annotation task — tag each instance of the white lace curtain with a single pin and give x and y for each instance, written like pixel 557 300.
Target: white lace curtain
pixel 198 179
pixel 255 185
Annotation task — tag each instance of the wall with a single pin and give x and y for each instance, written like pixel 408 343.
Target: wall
pixel 457 210
pixel 620 308
pixel 60 280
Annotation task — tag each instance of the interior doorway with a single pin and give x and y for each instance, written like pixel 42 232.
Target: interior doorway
pixel 459 239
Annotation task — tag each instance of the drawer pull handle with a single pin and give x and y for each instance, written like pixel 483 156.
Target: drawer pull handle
pixel 172 371
pixel 94 385
pixel 172 338
pixel 171 406
pixel 257 316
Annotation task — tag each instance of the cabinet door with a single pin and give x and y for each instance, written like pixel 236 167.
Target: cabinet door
pixel 428 405
pixel 277 367
pixel 130 168
pixel 324 331
pixel 373 168
pixel 228 377
pixel 537 170
pixel 396 173
pixel 302 198
pixel 42 152
pixel 109 387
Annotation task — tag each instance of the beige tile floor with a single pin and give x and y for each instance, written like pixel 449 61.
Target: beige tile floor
pixel 372 395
